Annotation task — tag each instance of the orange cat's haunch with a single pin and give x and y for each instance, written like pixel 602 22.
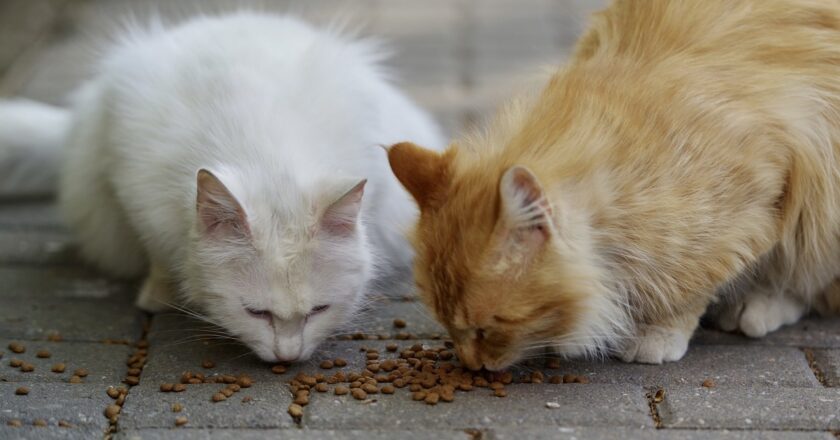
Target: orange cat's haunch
pixel 686 157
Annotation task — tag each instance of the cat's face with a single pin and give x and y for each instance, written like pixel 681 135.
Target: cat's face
pixel 490 261
pixel 279 288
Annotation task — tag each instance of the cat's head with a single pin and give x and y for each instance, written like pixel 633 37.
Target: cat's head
pixel 495 259
pixel 279 283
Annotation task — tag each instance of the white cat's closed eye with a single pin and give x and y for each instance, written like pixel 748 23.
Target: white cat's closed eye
pixel 265 314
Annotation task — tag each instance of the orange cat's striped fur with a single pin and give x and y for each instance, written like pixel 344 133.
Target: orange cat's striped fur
pixel 686 156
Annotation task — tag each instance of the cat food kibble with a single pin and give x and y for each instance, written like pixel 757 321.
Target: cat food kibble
pixel 17 348
pixel 166 387
pixel 321 387
pixel 358 393
pixel 14 423
pixel 58 368
pixel 432 398
pixel 180 421
pixel 388 389
pixel 131 380
pixel 247 399
pixel 208 364
pixel 295 411
pixel 709 383
pixel 177 407
pixel 218 397
pixel 22 391
pixel 244 382
pixel 112 411
pixel 341 390
pixel 555 379
pixel 134 372
pixel 64 424
pixel 81 372
pixel 328 364
pixel 43 354
pixel 500 393
pixel 15 363
pixel 278 369
pixel 39 423
pixel 112 392
pixel 582 379
pixel 235 387
pixel 370 388
pixel 27 367
pixel 54 337
pixel 569 378
pixel 399 323
pixel 179 387
pixel 391 347
pixel 227 392
pixel 340 362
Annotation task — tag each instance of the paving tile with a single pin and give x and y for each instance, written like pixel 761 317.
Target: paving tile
pixel 76 319
pixel 22 23
pixel 828 362
pixel 79 404
pixel 726 365
pixel 751 408
pixel 22 246
pixel 378 319
pixel 147 407
pixel 568 433
pixel 814 332
pixel 105 362
pixel 33 214
pixel 50 432
pixel 62 283
pixel 580 405
pixel 290 434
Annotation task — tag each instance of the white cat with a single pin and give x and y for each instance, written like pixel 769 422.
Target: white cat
pixel 237 160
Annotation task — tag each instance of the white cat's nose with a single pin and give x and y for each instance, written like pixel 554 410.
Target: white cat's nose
pixel 281 358
pixel 288 351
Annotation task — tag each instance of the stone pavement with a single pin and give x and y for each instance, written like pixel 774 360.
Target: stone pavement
pixel 459 58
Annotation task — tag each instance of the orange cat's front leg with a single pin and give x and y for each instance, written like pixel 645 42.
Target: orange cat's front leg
pixel 661 342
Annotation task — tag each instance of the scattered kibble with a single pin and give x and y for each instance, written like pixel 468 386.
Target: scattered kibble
pixel 15 423
pixel 17 347
pixel 218 397
pixel 358 393
pixel 500 393
pixel 27 367
pixel 295 410
pixel 64 424
pixel 166 387
pixel 129 380
pixel 81 372
pixel 709 383
pixel 399 323
pixel 58 368
pixel 327 364
pixel 15 363
pixel 43 354
pixel 341 390
pixel 321 387
pixel 112 411
pixel 247 399
pixel 180 421
pixel 278 369
pixel 340 363
pixel 179 387
pixel 244 382
pixel 54 337
pixel 75 379
pixel 22 391
pixel 659 396
pixel 112 392
pixel 39 423
pixel 208 364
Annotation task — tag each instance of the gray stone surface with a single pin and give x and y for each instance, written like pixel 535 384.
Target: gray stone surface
pixel 147 407
pixel 378 319
pixel 58 282
pixel 580 405
pixel 567 433
pixel 751 408
pixel 22 24
pixel 19 247
pixel 35 214
pixel 79 404
pixel 287 434
pixel 105 363
pixel 828 363
pixel 50 432
pixel 809 332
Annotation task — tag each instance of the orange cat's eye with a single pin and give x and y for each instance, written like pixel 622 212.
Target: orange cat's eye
pixel 480 334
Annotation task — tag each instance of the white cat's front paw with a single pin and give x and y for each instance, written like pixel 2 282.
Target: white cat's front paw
pixel 155 296
pixel 764 314
pixel 654 345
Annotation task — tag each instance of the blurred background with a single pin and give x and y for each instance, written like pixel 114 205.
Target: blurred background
pixel 458 58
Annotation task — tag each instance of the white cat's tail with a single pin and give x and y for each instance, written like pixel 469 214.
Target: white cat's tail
pixel 31 138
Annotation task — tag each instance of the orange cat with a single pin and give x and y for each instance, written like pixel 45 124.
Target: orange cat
pixel 687 156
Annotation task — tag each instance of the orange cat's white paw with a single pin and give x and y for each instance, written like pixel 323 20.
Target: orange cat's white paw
pixel 763 314
pixel 654 345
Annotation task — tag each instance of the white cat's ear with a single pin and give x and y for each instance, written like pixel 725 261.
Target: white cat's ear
pixel 341 216
pixel 218 212
pixel 526 212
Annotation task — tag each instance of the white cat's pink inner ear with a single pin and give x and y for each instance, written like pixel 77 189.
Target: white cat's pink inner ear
pixel 341 217
pixel 524 201
pixel 218 211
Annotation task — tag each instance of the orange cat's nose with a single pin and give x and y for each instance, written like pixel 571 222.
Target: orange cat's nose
pixel 469 358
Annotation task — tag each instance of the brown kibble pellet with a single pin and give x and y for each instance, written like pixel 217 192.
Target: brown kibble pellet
pixel 179 387
pixel 194 381
pixel 391 347
pixel 15 423
pixel 496 386
pixel 709 383
pixel 15 363
pixel 22 391
pixel 340 362
pixel 321 387
pixel 235 387
pixel 244 382
pixel 39 423
pixel 167 387
pixel 399 323
pixel 228 379
pixel 27 367
pixel 372 356
pixel 418 395
pixel 131 380
pixel 58 368
pixel 432 398
pixel 218 397
pixel 295 411
pixel 341 390
pixel 582 379
pixel 465 386
pixel 54 337
pixel 500 393
pixel 659 396
pixel 388 389
pixel 402 336
pixel 302 399
pixel 569 378
pixel 134 372
pixel 64 424
pixel 112 392
pixel 370 388
pixel 17 348
pixel 247 399
pixel 81 372
pixel 555 380
pixel 180 421
pixel 177 407
pixel 358 393
pixel 553 364
pixel 208 364
pixel 327 364
pixel 227 392
pixel 43 354
pixel 112 411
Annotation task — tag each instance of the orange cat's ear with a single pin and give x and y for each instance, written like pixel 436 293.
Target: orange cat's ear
pixel 422 172
pixel 526 212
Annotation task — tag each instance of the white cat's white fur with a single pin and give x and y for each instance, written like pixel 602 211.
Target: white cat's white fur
pixel 287 122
